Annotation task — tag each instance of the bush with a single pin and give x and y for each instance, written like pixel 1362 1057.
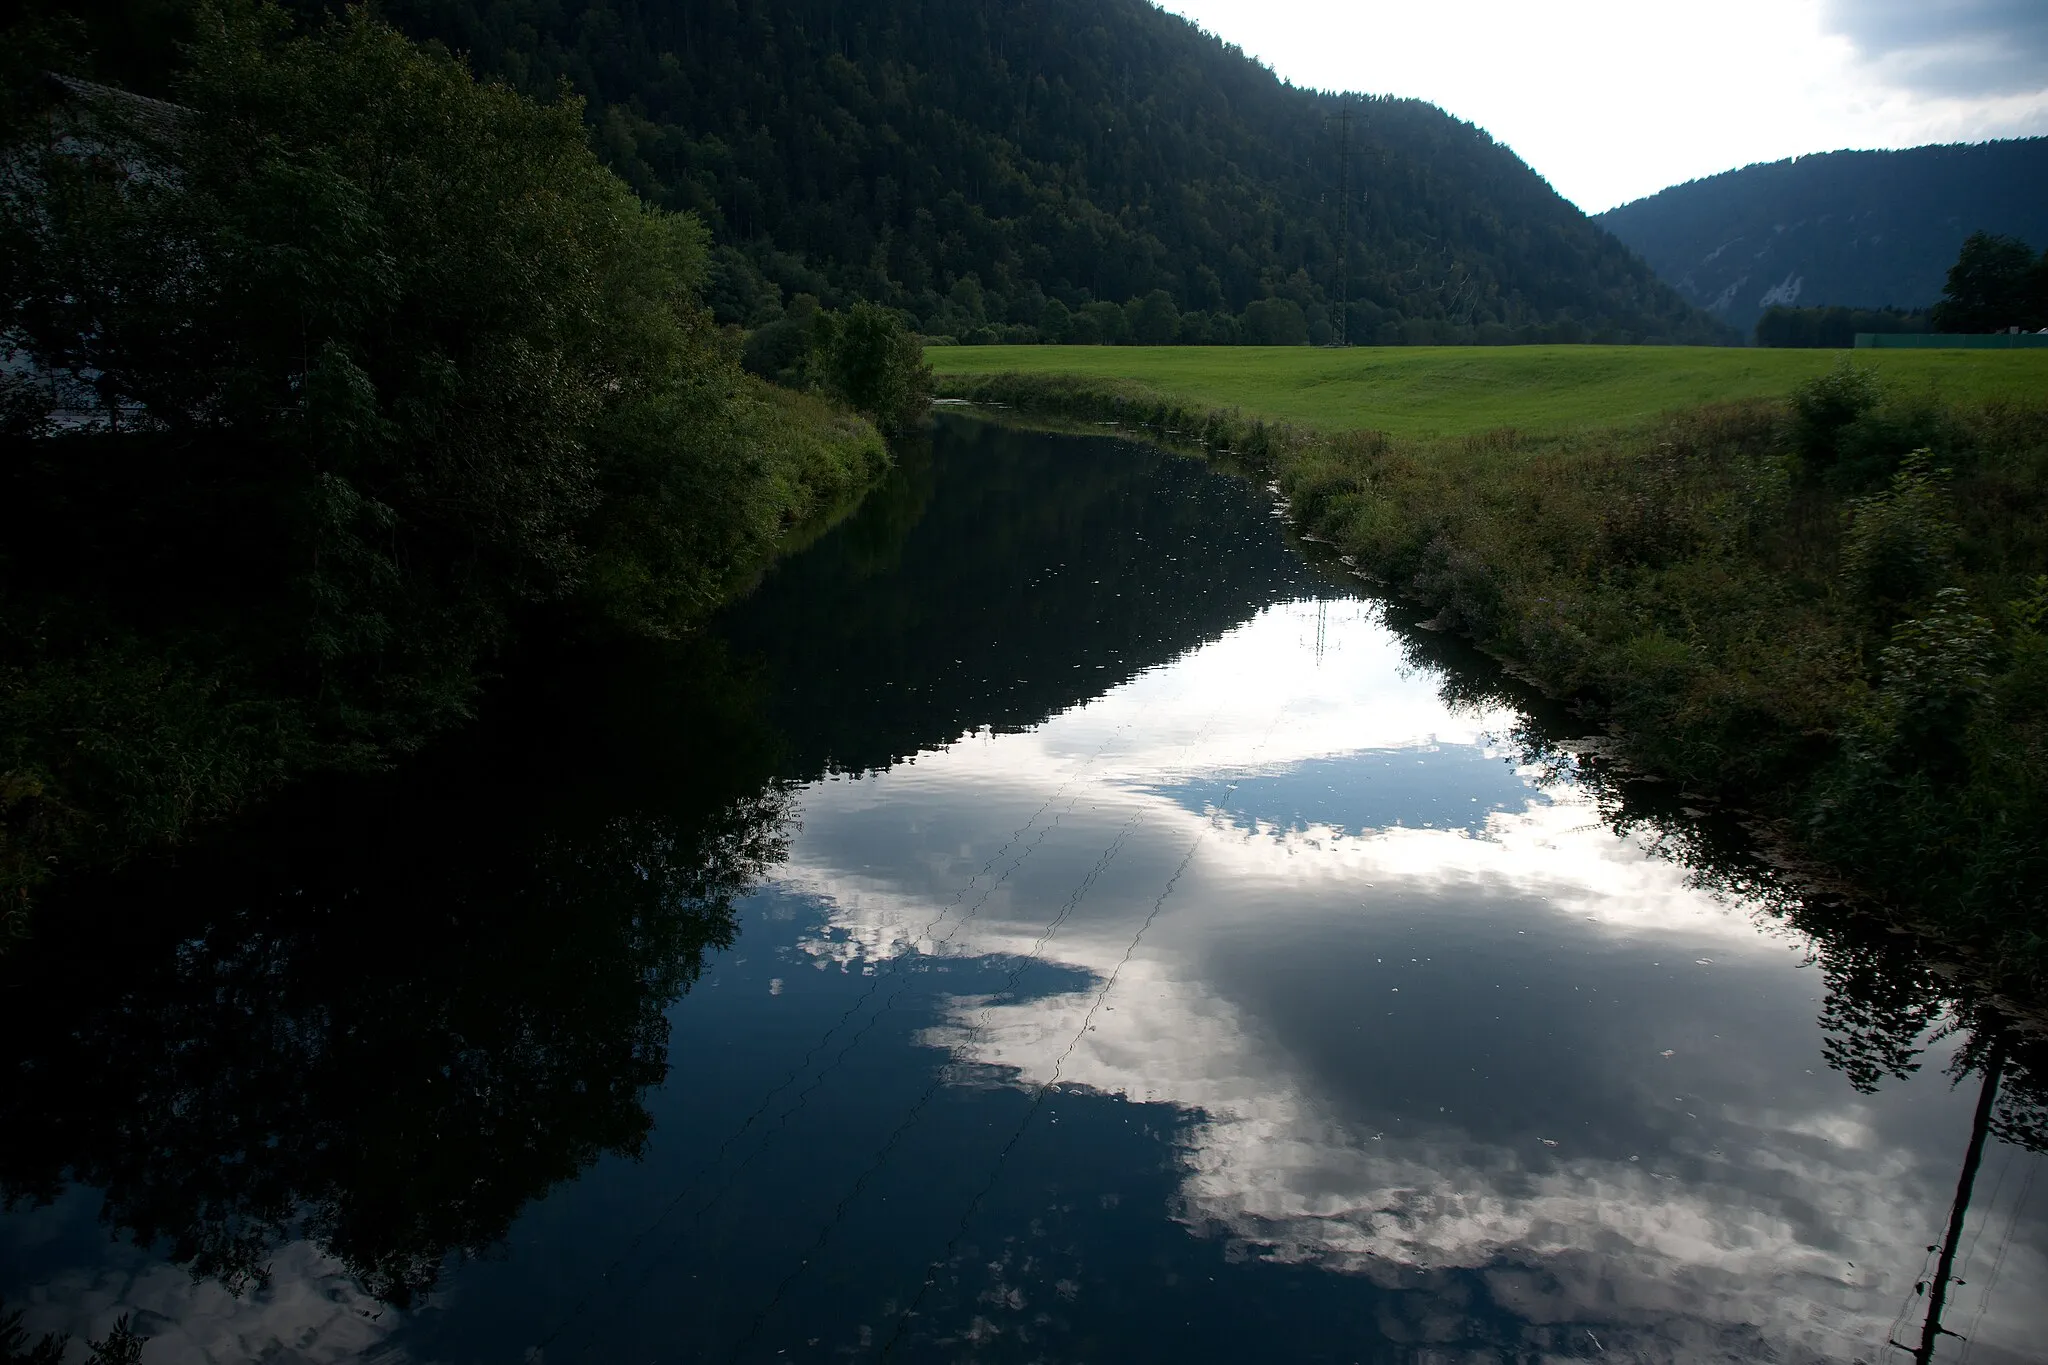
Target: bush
pixel 1824 407
pixel 779 351
pixel 1934 672
pixel 1899 547
pixel 875 366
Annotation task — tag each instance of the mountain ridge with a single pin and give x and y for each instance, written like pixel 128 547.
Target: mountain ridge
pixel 1867 229
pixel 969 163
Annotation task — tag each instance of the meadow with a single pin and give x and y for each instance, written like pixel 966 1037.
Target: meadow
pixel 1424 391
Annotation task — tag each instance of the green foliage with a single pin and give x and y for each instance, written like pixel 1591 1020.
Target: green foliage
pixel 676 539
pixel 1900 544
pixel 1994 284
pixel 1275 322
pixel 864 358
pixel 1815 657
pixel 1823 407
pixel 781 351
pixel 1833 327
pixel 1154 321
pixel 334 368
pixel 874 366
pixel 1936 670
pixel 1852 432
pixel 1085 151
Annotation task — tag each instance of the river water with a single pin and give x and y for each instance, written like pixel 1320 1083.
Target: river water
pixel 1054 918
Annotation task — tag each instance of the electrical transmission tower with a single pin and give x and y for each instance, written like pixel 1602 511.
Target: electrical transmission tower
pixel 1344 228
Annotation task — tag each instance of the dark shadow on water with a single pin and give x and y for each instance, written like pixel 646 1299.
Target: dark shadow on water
pixel 386 1013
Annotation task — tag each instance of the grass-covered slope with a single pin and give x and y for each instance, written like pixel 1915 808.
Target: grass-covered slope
pixel 1455 390
pixel 1830 609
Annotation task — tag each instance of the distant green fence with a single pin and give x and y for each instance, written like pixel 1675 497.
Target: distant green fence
pixel 1955 341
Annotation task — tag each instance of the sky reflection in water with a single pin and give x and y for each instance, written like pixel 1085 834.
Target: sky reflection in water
pixel 1258 1007
pixel 1496 1059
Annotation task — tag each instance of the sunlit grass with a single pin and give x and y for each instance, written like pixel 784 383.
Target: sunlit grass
pixel 1454 390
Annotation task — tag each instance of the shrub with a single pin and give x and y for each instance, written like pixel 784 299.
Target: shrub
pixel 1935 671
pixel 1823 407
pixel 779 351
pixel 1899 547
pixel 873 365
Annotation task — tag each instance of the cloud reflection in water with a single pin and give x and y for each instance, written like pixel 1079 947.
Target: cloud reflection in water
pixel 1503 1051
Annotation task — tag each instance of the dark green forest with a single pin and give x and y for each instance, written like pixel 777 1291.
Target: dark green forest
pixel 1003 170
pixel 1833 328
pixel 1996 283
pixel 1842 229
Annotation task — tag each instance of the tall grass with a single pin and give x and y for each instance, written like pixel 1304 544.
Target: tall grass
pixel 1830 611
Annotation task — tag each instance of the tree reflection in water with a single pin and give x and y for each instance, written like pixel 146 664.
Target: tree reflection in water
pixel 386 1015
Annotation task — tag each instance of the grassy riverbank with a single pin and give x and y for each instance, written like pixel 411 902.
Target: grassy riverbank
pixel 1419 391
pixel 1773 600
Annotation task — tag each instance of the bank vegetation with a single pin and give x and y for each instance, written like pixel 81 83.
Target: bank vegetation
pixel 322 379
pixel 1830 612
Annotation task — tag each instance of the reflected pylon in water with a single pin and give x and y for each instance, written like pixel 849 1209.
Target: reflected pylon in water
pixel 1931 1331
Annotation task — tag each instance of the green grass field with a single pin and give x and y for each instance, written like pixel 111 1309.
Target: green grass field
pixel 1453 390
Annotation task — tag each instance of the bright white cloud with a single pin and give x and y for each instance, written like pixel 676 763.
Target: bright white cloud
pixel 1612 100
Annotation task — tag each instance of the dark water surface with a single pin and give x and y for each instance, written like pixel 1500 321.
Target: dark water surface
pixel 1049 921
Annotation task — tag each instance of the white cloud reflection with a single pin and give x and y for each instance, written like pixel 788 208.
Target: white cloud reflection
pixel 310 1310
pixel 1756 1189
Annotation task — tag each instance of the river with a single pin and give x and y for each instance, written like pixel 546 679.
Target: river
pixel 1053 918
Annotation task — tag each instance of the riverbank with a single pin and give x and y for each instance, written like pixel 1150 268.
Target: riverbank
pixel 121 729
pixel 493 409
pixel 1775 602
pixel 1425 391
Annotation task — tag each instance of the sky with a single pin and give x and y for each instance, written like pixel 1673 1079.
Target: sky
pixel 1611 100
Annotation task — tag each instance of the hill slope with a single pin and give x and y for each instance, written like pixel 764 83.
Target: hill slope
pixel 1863 229
pixel 968 161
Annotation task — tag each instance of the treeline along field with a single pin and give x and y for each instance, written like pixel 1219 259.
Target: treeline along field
pixel 323 379
pixel 1828 607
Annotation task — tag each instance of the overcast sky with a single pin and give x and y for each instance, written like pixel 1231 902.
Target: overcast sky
pixel 1611 100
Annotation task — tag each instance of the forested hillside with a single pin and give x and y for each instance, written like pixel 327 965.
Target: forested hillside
pixel 1855 229
pixel 973 163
